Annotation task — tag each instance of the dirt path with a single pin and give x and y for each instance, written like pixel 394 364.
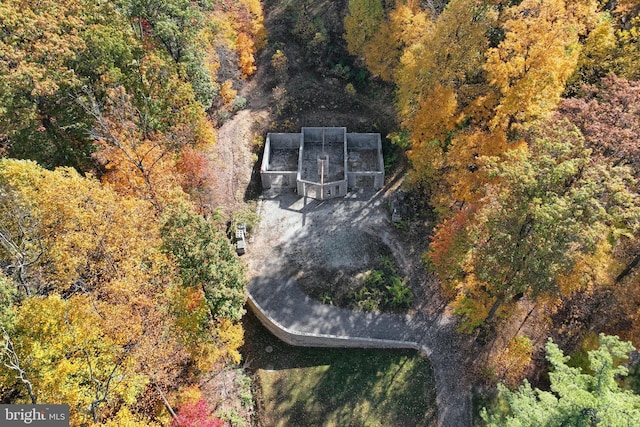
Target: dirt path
pixel 233 157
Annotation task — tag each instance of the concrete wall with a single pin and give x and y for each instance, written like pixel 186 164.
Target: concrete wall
pixel 349 142
pixel 282 179
pixel 328 190
pixel 278 141
pixel 378 178
pixel 302 339
pixel 369 142
pixel 363 141
pixel 332 134
pixel 289 141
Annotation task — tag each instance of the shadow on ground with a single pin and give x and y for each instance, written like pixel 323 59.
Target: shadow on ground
pixel 338 387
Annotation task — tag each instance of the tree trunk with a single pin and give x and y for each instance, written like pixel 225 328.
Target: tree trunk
pixel 494 308
pixel 627 270
pixel 164 400
pixel 525 319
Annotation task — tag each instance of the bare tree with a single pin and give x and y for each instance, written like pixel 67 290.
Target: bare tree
pixel 20 245
pixel 11 360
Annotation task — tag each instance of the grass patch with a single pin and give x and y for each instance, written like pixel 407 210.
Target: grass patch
pixel 338 387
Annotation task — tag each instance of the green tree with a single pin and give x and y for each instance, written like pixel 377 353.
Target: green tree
pixel 552 204
pixel 577 398
pixel 205 261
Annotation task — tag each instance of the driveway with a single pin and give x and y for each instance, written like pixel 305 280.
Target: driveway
pixel 298 238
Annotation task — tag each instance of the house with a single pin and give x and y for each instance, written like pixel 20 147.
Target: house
pixel 322 162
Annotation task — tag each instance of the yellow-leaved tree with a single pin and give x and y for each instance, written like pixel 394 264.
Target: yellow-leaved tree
pixel 89 261
pixel 539 52
pixel 440 80
pixel 407 25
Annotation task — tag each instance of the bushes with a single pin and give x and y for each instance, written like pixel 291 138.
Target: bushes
pixel 382 289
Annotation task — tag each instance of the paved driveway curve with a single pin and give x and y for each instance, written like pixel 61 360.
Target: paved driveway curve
pixel 280 304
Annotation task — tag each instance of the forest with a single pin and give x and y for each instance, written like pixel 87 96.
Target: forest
pixel 118 284
pixel 518 121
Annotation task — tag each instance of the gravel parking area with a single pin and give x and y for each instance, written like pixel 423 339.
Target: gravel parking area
pixel 299 238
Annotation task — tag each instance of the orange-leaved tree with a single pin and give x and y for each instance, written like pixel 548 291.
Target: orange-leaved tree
pixel 70 243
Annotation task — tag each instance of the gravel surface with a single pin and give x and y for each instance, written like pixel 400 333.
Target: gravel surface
pixel 298 238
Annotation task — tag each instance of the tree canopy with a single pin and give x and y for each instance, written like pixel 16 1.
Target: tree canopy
pixel 577 397
pixel 109 105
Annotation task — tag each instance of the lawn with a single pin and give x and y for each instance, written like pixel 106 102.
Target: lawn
pixel 338 387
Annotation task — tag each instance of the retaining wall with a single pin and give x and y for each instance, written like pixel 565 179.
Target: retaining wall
pixel 303 339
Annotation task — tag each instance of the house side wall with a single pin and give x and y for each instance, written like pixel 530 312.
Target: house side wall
pixel 282 178
pixel 362 152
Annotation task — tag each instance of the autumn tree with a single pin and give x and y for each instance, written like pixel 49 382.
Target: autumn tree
pixel 510 360
pixel 38 45
pixel 446 60
pixel 196 414
pixel 439 78
pixel 139 135
pixel 14 366
pixel 464 176
pixel 407 24
pixel 608 115
pixel 361 23
pixel 382 52
pixel 538 54
pixel 197 178
pixel 628 52
pixel 89 48
pixel 551 205
pixel 118 90
pixel 209 297
pixel 176 24
pixel 70 359
pixel 135 163
pixel 448 250
pixel 592 398
pixel 597 55
pixel 611 47
pixel 103 249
